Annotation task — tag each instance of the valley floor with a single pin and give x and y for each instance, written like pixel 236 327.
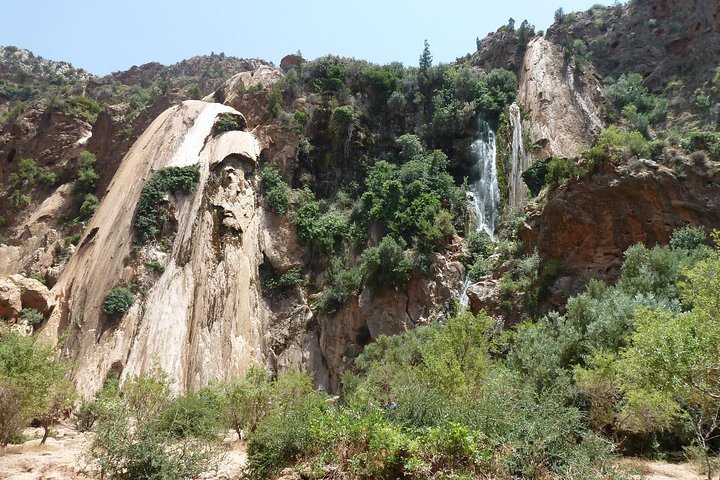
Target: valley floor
pixel 62 457
pixel 656 470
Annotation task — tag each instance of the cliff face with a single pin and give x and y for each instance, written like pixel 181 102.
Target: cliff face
pixel 588 224
pixel 561 101
pixel 202 317
pixel 660 39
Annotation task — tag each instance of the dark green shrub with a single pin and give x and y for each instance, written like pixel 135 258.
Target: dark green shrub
pixel 246 401
pixel 385 266
pixel 480 244
pixel 193 415
pixel 409 145
pixel 480 268
pixel 28 377
pixel 27 169
pixel 534 177
pixel 409 200
pixel 286 433
pixel 630 95
pixel 340 286
pixel 274 284
pixel 155 267
pixel 146 434
pixel 72 239
pixel 480 247
pixel 79 106
pixel 559 170
pixel 276 191
pixel 227 122
pixel 316 223
pixel 170 179
pixel 88 207
pixel 87 177
pixel 623 145
pixel 47 178
pixel 118 301
pixel 342 121
pixel 703 141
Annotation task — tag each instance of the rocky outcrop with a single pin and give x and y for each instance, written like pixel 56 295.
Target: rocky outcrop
pixel 500 49
pixel 246 91
pixel 589 223
pixel 484 295
pixel 203 317
pixel 561 102
pixel 660 39
pixel 18 292
pixel 40 244
pixel 51 138
pixel 364 318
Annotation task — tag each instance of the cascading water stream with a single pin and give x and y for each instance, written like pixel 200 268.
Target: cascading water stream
pixel 484 194
pixel 483 180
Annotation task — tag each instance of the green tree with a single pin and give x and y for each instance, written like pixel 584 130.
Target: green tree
pixel 247 401
pixel 30 379
pixel 386 265
pixel 145 433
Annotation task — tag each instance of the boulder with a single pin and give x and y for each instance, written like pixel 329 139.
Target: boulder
pixel 485 295
pixel 10 303
pixel 18 292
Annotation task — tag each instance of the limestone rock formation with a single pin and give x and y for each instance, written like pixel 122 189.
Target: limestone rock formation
pixel 202 318
pixel 561 103
pixel 18 292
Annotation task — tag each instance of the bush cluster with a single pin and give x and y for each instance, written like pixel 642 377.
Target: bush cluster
pixel 32 386
pixel 274 284
pixel 118 301
pixel 639 107
pixel 341 283
pixel 276 190
pixel 148 223
pixel 227 122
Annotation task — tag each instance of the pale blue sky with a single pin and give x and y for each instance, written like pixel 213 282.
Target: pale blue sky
pixel 109 35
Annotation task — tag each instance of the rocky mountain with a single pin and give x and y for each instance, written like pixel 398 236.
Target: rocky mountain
pixel 293 167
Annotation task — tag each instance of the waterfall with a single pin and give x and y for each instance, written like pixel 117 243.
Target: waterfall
pixel 484 194
pixel 519 161
pixel 483 180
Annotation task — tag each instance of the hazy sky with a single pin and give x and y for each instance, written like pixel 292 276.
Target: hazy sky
pixel 109 35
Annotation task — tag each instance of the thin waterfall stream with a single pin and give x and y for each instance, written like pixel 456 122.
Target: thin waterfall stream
pixel 484 194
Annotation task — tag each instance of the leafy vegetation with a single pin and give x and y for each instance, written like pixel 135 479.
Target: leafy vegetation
pixel 631 97
pixel 118 301
pixel 32 386
pixel 275 284
pixel 429 402
pixel 385 266
pixel 143 432
pixel 317 223
pixel 340 284
pixel 276 191
pixel 227 122
pixel 149 223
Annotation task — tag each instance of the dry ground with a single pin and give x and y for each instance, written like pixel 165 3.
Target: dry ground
pixel 61 458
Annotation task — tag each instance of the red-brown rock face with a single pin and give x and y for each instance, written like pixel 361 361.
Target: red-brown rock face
pixel 591 222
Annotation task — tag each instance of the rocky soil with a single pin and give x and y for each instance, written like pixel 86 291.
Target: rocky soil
pixel 63 457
